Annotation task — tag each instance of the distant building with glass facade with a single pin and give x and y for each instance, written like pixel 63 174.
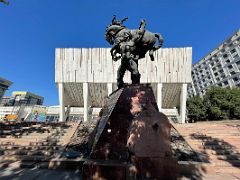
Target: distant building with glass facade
pixel 4 84
pixel 19 98
pixel 221 67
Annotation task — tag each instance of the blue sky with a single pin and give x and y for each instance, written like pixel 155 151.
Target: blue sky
pixel 30 30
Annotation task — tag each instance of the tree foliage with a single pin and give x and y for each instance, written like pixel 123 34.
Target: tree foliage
pixel 218 103
pixel 196 109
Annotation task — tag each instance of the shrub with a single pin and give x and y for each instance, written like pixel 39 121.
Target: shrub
pixel 235 104
pixel 215 113
pixel 196 109
pixel 217 102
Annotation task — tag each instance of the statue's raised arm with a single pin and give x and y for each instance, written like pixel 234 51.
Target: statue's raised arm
pixel 120 22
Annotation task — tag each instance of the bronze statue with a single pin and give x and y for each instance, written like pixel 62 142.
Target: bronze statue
pixel 5 2
pixel 130 46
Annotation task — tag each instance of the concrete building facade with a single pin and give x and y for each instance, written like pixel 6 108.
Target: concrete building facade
pixel 86 76
pixel 5 101
pixel 4 85
pixel 221 67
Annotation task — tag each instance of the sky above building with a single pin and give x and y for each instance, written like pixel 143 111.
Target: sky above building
pixel 30 30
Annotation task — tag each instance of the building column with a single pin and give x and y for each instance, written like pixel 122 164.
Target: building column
pixel 159 96
pixel 183 99
pixel 61 102
pixel 212 74
pixel 109 88
pixel 85 101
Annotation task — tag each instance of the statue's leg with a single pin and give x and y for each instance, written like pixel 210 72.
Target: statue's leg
pixel 133 68
pixel 112 51
pixel 140 32
pixel 120 73
pixel 160 40
pixel 151 51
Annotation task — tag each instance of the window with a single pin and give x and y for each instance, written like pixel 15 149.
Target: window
pixel 236 56
pixel 238 62
pixel 223 76
pixel 225 56
pixel 221 71
pixel 233 51
pixel 214 69
pixel 233 72
pixel 216 73
pixel 235 79
pixel 228 61
pixel 225 83
pixel 230 67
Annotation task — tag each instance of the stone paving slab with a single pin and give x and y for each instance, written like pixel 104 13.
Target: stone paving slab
pixel 219 143
pixel 13 173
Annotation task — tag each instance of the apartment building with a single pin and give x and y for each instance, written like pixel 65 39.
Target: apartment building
pixel 221 67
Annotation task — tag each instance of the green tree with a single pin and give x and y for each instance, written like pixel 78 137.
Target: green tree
pixel 222 103
pixel 196 109
pixel 235 103
pixel 217 101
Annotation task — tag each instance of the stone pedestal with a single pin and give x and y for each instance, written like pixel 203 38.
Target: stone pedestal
pixel 132 139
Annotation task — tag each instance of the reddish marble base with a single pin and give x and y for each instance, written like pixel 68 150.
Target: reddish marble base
pixel 132 139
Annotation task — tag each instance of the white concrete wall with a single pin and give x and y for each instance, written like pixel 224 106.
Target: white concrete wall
pixel 21 111
pixel 4 110
pixel 171 65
